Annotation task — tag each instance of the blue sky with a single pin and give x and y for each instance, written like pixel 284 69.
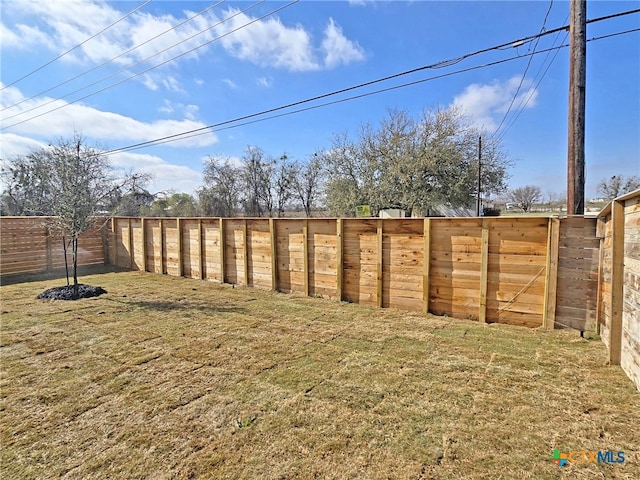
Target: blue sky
pixel 307 49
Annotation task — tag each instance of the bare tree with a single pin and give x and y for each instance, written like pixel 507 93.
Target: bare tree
pixel 618 185
pixel 220 195
pixel 525 197
pixel 308 181
pixel 256 178
pixel 282 183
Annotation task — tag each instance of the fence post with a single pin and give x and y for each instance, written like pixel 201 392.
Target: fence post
pixel 162 246
pixel 144 244
pixel 221 244
pixel 130 244
pixel 339 259
pixel 202 247
pixel 274 254
pixel 617 273
pixel 484 272
pixel 245 253
pixel 47 232
pixel 105 244
pixel 305 252
pixel 551 281
pixel 426 264
pixel 379 266
pixel 114 242
pixel 180 251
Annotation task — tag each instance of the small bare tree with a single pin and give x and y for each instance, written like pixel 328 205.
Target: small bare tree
pixel 525 197
pixel 69 181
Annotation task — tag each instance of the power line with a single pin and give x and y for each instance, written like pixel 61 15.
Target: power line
pixel 525 101
pixel 524 75
pixel 250 119
pixel 68 80
pixel 77 46
pixel 440 64
pixel 37 107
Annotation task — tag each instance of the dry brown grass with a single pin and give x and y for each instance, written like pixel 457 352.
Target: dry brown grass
pixel 168 377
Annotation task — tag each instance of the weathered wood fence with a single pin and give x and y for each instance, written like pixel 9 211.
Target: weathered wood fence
pixel 521 271
pixel 619 279
pixel 27 246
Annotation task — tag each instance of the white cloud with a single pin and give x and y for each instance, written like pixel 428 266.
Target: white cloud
pixel 166 176
pixel 229 83
pixel 273 44
pixel 23 37
pixel 264 82
pixel 12 145
pixel 337 48
pixel 486 104
pixel 63 25
pixel 60 26
pixel 268 42
pixel 98 124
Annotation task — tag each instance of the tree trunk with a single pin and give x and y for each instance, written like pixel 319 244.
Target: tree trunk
pixel 74 247
pixel 66 262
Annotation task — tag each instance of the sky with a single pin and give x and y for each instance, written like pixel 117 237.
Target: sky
pixel 124 73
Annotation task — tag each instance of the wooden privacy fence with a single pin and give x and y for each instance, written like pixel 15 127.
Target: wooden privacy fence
pixel 521 271
pixel 619 293
pixel 27 246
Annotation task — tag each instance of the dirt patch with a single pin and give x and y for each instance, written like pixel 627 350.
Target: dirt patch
pixel 68 292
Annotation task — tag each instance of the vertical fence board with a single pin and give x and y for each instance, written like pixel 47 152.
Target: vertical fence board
pixel 222 247
pixel 551 283
pixel 305 254
pixel 617 282
pixel 379 265
pixel 484 272
pixel 340 261
pixel 274 255
pixel 426 252
pixel 144 244
pixel 245 253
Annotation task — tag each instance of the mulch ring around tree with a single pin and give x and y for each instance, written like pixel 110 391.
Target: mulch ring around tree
pixel 68 292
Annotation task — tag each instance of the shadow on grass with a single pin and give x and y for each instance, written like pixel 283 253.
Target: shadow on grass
pixel 182 305
pixel 59 274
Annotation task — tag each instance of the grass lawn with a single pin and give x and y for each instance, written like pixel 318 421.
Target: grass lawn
pixel 166 377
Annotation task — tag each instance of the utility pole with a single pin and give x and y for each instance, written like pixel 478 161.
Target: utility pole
pixel 478 199
pixel 577 85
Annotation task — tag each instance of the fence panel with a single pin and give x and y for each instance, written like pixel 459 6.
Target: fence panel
pixel 618 311
pixel 28 247
pixel 578 260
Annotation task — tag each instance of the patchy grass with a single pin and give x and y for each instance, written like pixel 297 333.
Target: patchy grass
pixel 167 377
